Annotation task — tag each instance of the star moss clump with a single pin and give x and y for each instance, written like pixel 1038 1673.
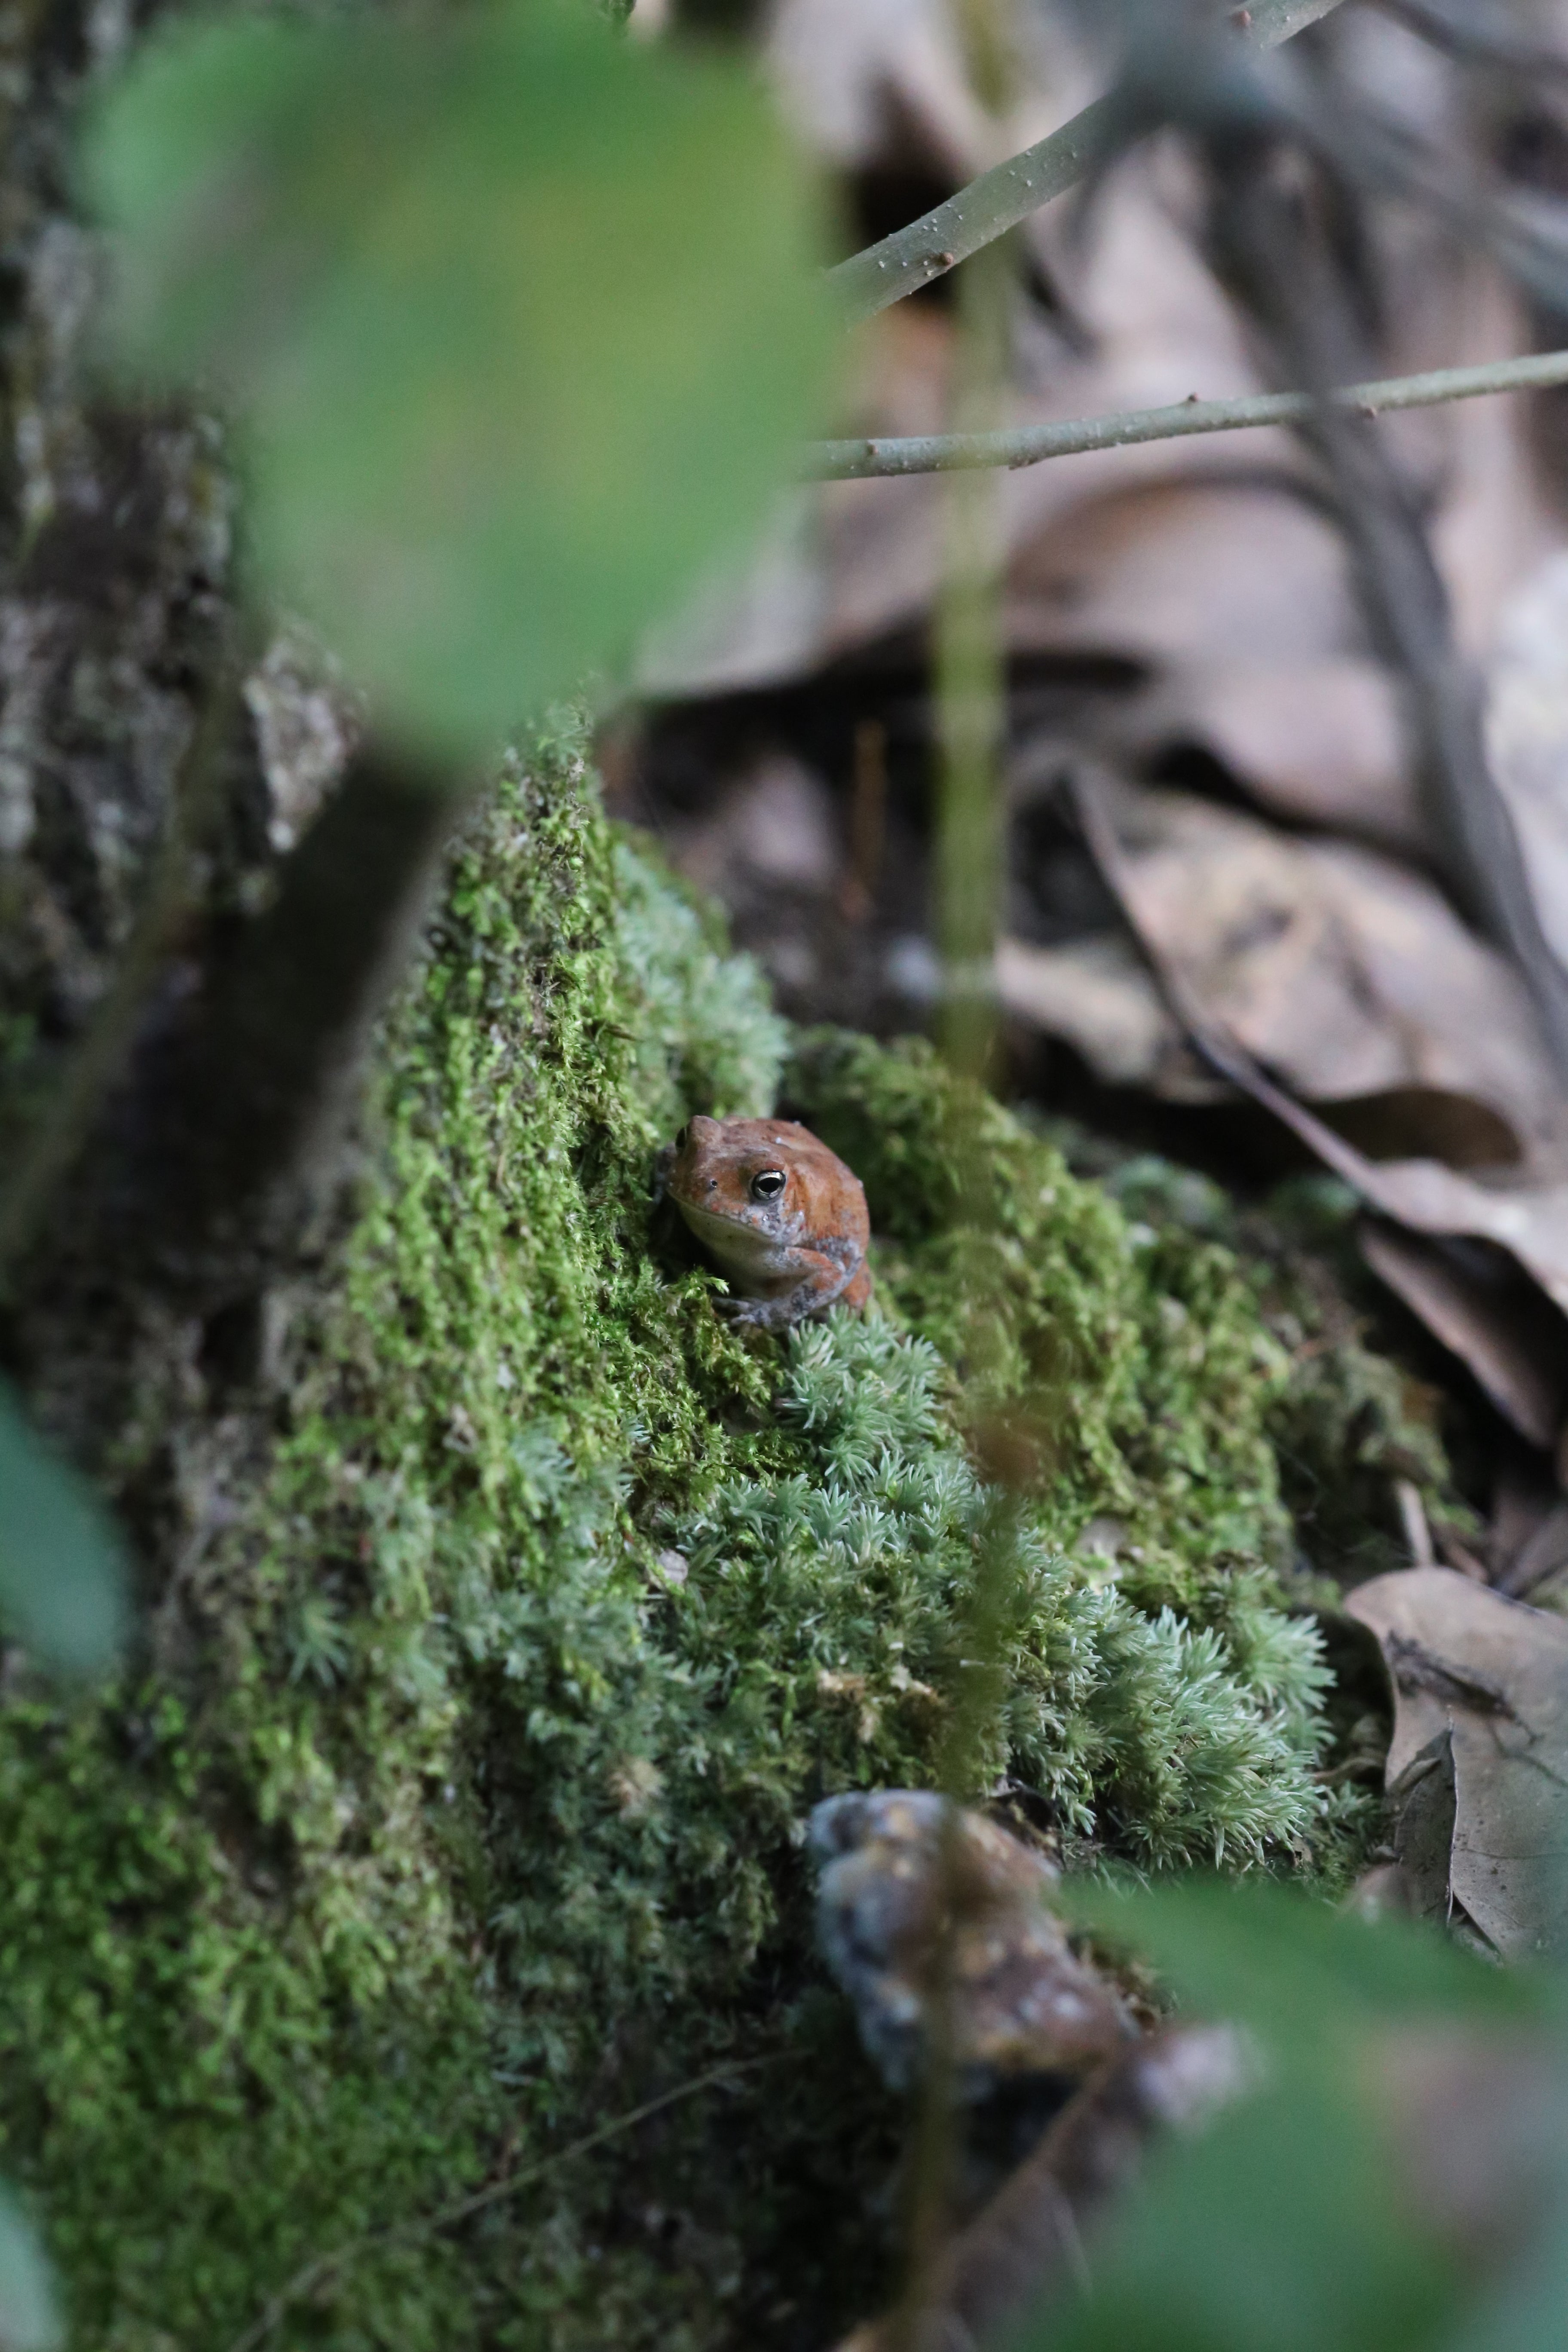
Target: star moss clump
pixel 469 1817
pixel 854 1580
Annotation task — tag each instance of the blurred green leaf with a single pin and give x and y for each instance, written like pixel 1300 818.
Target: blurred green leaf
pixel 1287 2226
pixel 1288 1964
pixel 62 1566
pixel 1528 2313
pixel 29 2321
pixel 521 320
pixel 1280 2230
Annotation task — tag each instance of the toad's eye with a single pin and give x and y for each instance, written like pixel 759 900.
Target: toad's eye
pixel 768 1184
pixel 680 1138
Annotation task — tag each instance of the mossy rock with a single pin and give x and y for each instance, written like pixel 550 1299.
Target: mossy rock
pixel 473 1818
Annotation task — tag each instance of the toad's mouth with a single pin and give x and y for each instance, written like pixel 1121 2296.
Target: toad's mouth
pixel 732 1240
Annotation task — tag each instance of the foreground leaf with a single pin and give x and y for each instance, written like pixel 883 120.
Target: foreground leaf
pixel 1399 2177
pixel 62 1570
pixel 29 2319
pixel 519 322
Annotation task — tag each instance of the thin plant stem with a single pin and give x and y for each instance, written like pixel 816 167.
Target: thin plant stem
pixel 999 199
pixel 321 2269
pixel 1030 444
pixel 970 684
pixel 968 864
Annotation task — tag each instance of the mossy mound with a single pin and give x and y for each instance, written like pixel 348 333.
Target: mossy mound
pixel 471 1820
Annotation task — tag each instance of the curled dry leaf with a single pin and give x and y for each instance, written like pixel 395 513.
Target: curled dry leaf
pixel 1517 1352
pixel 1318 742
pixel 1421 1809
pixel 1492 1676
pixel 1517 1356
pixel 1348 976
pixel 1482 1307
pixel 1527 1221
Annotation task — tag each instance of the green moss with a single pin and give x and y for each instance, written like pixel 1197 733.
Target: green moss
pixel 1344 1422
pixel 473 1815
pixel 1118 1372
pixel 849 1585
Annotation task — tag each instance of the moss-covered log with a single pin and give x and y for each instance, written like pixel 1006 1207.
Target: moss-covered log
pixel 516 1612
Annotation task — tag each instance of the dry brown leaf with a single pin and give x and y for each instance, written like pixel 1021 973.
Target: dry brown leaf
pixel 1475 1309
pixel 1348 976
pixel 1529 1222
pixel 1173 570
pixel 1344 973
pixel 1494 1674
pixel 1316 741
pixel 1098 995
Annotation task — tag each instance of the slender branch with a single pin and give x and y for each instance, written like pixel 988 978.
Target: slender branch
pixel 323 2269
pixel 999 199
pixel 968 674
pixel 1027 445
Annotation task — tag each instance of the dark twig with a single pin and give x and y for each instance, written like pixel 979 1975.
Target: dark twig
pixel 1378 155
pixel 1269 247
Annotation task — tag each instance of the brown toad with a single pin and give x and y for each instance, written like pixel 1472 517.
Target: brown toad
pixel 784 1218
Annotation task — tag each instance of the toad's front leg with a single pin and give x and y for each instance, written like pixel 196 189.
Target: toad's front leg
pixel 815 1282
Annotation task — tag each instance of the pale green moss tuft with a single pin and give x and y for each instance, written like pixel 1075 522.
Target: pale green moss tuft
pixel 848 1582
